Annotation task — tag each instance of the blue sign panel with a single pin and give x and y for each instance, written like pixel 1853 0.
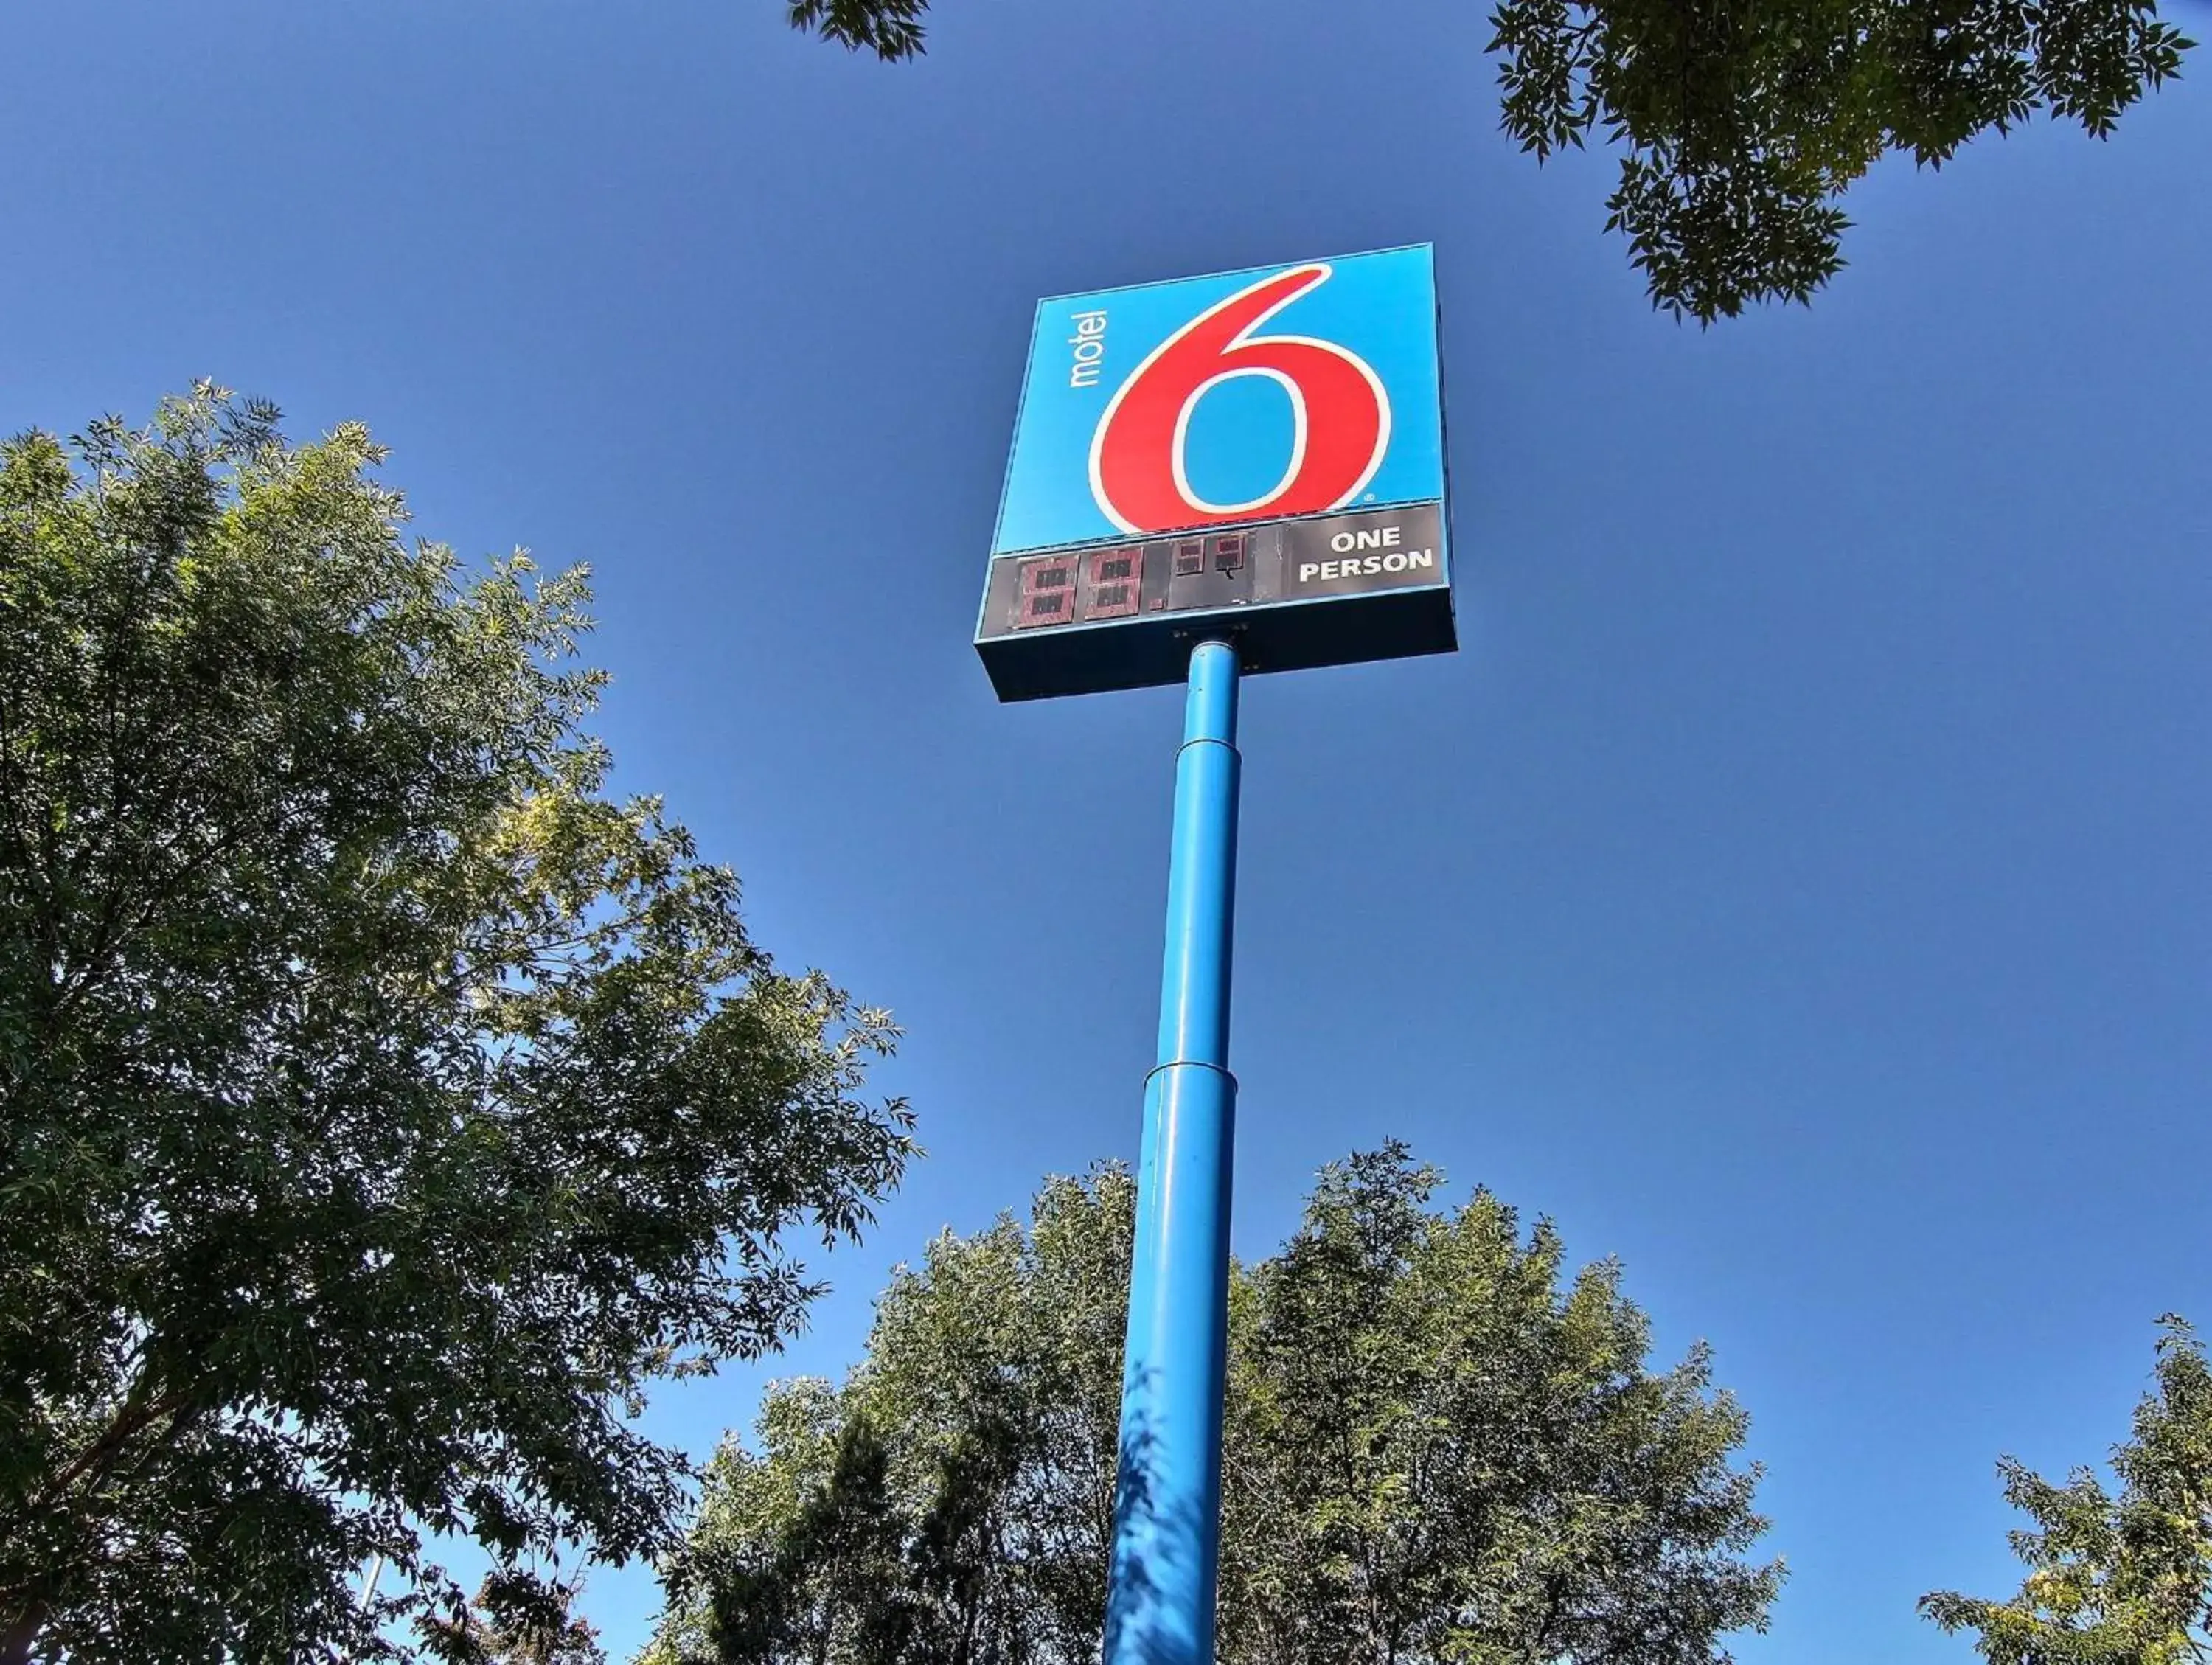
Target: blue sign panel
pixel 1239 446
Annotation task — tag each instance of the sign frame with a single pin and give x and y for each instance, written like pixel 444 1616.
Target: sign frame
pixel 1130 423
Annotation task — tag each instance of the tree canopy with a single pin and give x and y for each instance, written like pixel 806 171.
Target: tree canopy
pixel 519 1617
pixel 1439 1447
pixel 1741 125
pixel 383 1107
pixel 2122 1579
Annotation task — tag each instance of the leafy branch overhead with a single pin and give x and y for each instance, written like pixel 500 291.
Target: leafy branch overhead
pixel 1741 124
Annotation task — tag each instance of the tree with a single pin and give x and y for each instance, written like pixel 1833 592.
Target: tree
pixel 383 1108
pixel 1446 1455
pixel 518 1618
pixel 1434 1452
pixel 2124 1580
pixel 953 1500
pixel 1741 124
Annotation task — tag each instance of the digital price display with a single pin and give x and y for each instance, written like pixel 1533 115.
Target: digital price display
pixel 1256 456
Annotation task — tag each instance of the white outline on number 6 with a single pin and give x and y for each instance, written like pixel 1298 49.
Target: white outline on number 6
pixel 1244 338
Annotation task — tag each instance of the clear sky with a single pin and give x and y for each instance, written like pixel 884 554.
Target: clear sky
pixel 1797 886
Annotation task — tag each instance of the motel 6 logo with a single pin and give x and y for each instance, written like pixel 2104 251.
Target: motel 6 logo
pixel 1339 415
pixel 1268 394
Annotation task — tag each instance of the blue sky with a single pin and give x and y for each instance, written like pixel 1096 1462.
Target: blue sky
pixel 1796 886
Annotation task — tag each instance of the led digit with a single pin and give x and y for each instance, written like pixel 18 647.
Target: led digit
pixel 1116 576
pixel 1046 593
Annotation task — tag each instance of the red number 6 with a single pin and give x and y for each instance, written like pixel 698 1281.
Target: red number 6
pixel 1339 416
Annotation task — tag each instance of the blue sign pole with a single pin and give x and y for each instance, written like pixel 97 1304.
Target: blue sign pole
pixel 1167 1506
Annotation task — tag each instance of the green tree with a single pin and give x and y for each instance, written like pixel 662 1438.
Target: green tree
pixel 1436 1451
pixel 970 1465
pixel 1449 1451
pixel 383 1108
pixel 2113 1580
pixel 1739 125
